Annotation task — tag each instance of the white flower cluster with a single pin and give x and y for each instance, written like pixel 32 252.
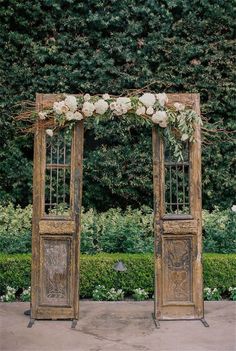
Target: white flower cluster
pixel 211 294
pixel 115 295
pixel 233 208
pixel 140 294
pixel 25 295
pixel 146 106
pixel 9 296
pixel 69 108
pixel 151 106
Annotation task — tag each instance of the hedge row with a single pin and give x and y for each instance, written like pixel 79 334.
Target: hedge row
pixel 219 271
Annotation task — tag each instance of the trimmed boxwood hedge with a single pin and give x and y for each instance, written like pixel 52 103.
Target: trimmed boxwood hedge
pixel 219 271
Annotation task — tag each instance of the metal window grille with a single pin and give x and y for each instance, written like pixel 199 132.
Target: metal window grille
pixel 177 182
pixel 57 177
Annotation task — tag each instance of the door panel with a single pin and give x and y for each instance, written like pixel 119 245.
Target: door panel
pixel 178 269
pixel 177 225
pixel 57 192
pixel 55 271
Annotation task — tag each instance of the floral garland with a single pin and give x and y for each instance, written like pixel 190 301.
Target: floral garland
pixel 175 123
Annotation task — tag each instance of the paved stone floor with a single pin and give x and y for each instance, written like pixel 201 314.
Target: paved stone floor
pixel 113 326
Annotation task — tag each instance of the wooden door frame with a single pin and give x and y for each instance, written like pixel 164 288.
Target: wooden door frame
pixel 183 224
pixel 63 228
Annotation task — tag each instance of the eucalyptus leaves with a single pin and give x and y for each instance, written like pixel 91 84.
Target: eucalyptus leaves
pixel 176 123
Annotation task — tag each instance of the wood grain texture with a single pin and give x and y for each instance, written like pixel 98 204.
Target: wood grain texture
pixel 56 226
pixel 55 238
pixel 178 238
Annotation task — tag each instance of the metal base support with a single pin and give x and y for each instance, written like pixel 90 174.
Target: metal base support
pixel 158 326
pixel 204 322
pixel 156 322
pixel 31 323
pixel 27 312
pixel 74 323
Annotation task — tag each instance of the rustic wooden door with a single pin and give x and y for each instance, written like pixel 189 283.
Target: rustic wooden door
pixel 57 191
pixel 177 225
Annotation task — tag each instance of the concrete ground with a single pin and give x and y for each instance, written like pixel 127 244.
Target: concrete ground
pixel 113 326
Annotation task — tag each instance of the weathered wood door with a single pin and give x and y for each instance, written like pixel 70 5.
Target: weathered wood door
pixel 177 225
pixel 57 190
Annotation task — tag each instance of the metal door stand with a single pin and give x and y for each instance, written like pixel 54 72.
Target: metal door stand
pixel 158 326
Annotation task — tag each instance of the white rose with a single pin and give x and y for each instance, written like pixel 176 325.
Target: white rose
pixel 163 124
pixel 69 116
pixel 179 107
pixel 233 208
pixel 49 132
pixel 78 116
pixel 71 102
pixel 106 96
pixel 42 115
pixel 150 110
pixel 87 97
pixel 148 99
pixel 101 106
pixel 160 117
pixel 88 108
pixel 113 105
pixel 184 137
pixel 60 107
pixel 119 110
pixel 141 111
pixel 162 98
pixel 124 101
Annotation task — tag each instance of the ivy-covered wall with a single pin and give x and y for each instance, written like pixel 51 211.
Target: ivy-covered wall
pixel 101 46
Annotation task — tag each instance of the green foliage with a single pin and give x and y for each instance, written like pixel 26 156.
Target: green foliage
pixel 115 295
pixel 26 294
pixel 15 271
pixel 219 231
pixel 129 231
pixel 15 229
pixel 99 293
pixel 98 270
pixel 219 272
pixel 140 294
pixel 212 294
pixel 9 296
pixel 232 292
pixel 101 46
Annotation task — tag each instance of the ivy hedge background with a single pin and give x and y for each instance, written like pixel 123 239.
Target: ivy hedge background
pixel 100 46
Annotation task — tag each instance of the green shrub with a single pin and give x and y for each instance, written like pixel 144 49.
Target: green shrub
pixel 99 293
pixel 129 231
pixel 219 272
pixel 219 231
pixel 140 294
pixel 232 291
pixel 15 229
pixel 15 271
pixel 212 294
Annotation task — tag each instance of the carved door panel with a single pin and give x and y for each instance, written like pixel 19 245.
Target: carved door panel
pixel 177 225
pixel 57 189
